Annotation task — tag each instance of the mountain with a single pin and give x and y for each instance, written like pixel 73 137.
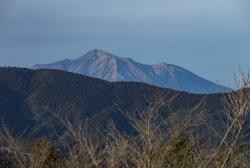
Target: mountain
pixel 29 98
pixel 103 65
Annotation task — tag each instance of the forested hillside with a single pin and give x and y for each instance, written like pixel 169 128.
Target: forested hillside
pixel 52 118
pixel 28 97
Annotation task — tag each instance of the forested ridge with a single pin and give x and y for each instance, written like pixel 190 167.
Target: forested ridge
pixel 28 96
pixel 52 118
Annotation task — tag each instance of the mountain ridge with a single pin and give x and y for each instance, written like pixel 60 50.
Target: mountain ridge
pixel 103 65
pixel 26 95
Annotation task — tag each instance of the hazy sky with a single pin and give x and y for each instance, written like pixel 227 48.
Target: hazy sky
pixel 208 37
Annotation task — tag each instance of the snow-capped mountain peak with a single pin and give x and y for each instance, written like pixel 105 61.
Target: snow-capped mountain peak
pixel 103 65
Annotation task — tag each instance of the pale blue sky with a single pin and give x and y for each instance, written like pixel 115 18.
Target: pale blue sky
pixel 209 37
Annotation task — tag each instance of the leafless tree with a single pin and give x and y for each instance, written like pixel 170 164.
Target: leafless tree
pixel 236 108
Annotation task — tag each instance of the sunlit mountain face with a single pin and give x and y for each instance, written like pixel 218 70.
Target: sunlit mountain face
pixel 103 65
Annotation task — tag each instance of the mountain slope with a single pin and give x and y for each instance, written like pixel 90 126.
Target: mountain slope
pixel 30 97
pixel 100 64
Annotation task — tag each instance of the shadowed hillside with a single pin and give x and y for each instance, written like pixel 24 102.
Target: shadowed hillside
pixel 52 118
pixel 28 97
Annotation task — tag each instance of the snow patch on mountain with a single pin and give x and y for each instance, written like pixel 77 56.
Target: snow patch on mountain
pixel 103 65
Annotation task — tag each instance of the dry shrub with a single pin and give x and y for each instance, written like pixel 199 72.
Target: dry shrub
pixel 43 155
pixel 12 150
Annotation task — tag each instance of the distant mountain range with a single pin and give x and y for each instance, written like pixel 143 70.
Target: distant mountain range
pixel 103 65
